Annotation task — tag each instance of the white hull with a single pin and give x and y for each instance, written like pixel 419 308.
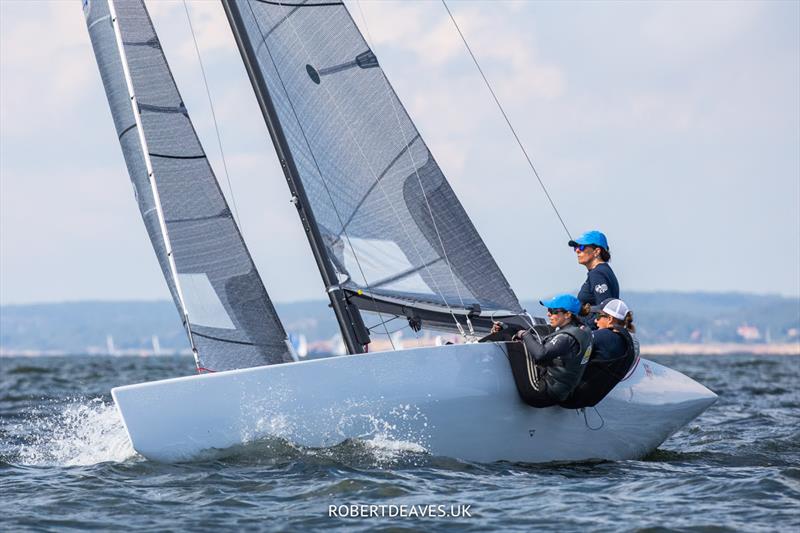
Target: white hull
pixel 457 401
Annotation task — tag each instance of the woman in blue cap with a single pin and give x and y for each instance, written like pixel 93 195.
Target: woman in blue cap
pixel 547 370
pixel 592 251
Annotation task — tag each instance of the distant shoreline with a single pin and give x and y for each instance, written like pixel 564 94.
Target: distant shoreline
pixel 789 348
pixel 647 350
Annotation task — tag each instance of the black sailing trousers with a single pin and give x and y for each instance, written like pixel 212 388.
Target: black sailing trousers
pixel 528 376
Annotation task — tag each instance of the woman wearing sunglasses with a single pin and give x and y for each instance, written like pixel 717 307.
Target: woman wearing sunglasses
pixel 591 249
pixel 615 348
pixel 547 370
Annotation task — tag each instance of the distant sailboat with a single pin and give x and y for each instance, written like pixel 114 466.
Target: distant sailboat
pixel 389 237
pixel 397 340
pixel 300 344
pixel 110 348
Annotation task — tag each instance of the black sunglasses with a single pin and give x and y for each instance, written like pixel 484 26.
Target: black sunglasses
pixel 555 311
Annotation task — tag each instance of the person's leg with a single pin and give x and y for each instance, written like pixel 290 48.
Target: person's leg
pixel 533 391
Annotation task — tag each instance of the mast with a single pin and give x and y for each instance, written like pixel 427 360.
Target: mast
pixel 151 178
pixel 354 332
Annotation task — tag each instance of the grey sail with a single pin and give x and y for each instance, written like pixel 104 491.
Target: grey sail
pixel 391 226
pixel 231 320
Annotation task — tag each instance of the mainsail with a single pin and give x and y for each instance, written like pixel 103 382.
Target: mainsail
pixel 228 315
pixel 388 223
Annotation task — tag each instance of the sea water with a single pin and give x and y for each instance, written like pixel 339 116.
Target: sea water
pixel 66 463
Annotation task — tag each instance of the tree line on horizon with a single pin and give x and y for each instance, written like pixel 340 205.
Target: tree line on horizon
pixel 660 318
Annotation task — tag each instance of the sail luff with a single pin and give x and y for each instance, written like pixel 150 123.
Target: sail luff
pixel 351 324
pixel 151 178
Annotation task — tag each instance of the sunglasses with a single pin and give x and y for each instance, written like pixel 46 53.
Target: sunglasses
pixel 582 247
pixel 555 311
pixel 602 315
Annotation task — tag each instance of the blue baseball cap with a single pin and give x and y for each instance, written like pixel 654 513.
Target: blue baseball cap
pixel 591 238
pixel 566 302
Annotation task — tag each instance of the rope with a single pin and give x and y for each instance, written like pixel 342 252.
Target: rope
pixel 533 372
pixel 505 116
pixel 586 420
pixel 237 218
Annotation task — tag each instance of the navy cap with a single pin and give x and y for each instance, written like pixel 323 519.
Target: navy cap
pixel 563 301
pixel 591 238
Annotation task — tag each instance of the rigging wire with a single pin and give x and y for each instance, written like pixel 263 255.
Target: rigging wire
pixel 424 195
pixel 390 333
pixel 237 218
pixel 383 322
pixel 505 116
pixel 313 156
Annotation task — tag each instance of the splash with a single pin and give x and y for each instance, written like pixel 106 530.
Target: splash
pixel 82 432
pixel 386 436
pixel 387 450
pixel 356 433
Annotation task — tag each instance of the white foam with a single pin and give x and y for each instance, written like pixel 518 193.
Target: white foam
pixel 386 449
pixel 84 432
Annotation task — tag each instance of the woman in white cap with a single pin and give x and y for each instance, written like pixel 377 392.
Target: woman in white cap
pixel 614 350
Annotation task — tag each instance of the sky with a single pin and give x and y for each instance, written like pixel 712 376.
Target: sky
pixel 674 127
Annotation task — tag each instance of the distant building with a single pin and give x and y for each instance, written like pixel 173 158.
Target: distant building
pixel 748 333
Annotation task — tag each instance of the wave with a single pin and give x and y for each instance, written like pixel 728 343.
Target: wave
pixel 79 433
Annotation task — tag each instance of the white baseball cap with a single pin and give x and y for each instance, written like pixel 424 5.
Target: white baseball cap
pixel 612 307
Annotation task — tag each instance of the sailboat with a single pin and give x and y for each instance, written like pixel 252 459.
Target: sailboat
pixel 390 238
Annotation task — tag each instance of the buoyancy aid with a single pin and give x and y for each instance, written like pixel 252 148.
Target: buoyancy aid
pixel 601 376
pixel 563 372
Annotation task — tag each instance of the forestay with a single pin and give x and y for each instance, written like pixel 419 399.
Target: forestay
pixel 213 281
pixel 390 223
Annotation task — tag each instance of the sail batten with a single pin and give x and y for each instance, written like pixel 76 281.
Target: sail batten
pixel 390 223
pixel 228 315
pixel 168 156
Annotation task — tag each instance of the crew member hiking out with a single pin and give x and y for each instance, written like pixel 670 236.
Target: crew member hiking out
pixel 546 370
pixel 614 350
pixel 592 251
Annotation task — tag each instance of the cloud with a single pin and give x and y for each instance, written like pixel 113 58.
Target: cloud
pixel 678 28
pixel 208 21
pixel 425 30
pixel 42 83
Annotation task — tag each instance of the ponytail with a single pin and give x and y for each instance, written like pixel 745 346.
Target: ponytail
pixel 628 322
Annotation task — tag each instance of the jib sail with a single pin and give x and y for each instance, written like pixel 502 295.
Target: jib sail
pixel 228 315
